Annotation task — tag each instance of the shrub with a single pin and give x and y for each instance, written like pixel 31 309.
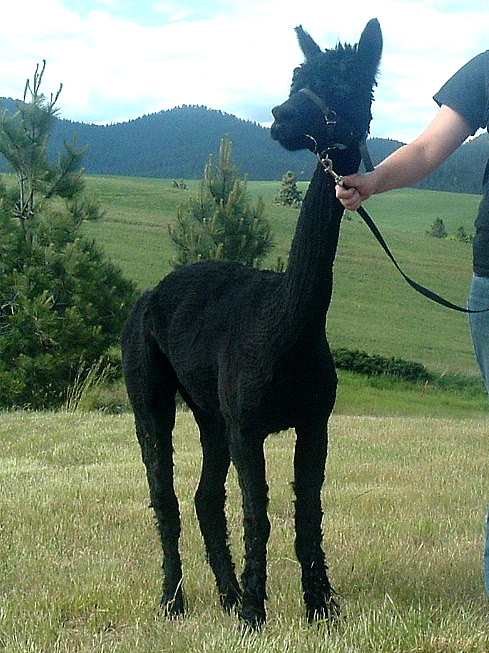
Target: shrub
pixel 438 229
pixel 289 194
pixel 363 363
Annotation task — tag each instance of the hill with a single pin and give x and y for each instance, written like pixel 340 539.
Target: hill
pixel 176 143
pixel 461 173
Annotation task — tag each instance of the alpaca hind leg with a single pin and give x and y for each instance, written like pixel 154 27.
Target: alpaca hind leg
pixel 152 392
pixel 210 502
pixel 159 465
pixel 248 457
pixel 309 467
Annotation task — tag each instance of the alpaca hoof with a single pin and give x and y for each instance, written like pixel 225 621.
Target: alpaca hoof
pixel 328 612
pixel 253 619
pixel 173 607
pixel 230 599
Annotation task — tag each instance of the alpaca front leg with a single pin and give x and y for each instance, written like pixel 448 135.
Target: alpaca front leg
pixel 309 466
pixel 249 460
pixel 254 577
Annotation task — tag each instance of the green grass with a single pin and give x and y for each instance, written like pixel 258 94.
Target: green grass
pixel 405 503
pixel 373 308
pixel 406 492
pixel 381 396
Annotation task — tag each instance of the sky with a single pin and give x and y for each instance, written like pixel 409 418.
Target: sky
pixel 121 59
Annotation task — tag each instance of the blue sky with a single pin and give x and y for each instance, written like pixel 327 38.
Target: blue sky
pixel 120 59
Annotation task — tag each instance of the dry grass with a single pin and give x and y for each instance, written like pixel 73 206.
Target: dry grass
pixel 405 504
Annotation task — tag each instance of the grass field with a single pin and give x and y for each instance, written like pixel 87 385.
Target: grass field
pixel 373 309
pixel 406 492
pixel 405 503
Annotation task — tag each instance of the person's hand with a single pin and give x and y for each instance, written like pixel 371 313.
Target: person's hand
pixel 354 190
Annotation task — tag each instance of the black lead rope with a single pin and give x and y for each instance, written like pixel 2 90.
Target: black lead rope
pixel 421 289
pixel 328 166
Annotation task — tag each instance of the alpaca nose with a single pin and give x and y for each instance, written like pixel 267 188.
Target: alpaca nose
pixel 283 113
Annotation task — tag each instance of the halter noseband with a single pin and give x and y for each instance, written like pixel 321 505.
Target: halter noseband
pixel 330 115
pixel 332 120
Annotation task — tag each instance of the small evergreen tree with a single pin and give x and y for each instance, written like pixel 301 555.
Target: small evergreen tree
pixel 463 236
pixel 220 223
pixel 61 302
pixel 180 184
pixel 438 229
pixel 289 194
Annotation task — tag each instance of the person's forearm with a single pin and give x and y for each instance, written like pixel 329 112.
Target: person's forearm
pixel 405 167
pixel 410 163
pixel 413 162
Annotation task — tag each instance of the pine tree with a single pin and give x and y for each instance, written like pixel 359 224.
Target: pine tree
pixel 438 229
pixel 289 194
pixel 220 222
pixel 62 303
pixel 463 236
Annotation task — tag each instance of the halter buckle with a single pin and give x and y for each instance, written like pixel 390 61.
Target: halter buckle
pixel 331 117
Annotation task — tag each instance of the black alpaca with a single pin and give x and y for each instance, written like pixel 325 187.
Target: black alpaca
pixel 248 353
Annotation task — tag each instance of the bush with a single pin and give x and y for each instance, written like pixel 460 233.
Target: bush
pixel 61 307
pixel 289 194
pixel 438 229
pixel 463 236
pixel 363 363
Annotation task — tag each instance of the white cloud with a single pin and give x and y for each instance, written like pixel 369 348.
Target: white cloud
pixel 174 11
pixel 229 55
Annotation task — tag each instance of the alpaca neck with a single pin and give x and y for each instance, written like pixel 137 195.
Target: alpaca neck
pixel 309 276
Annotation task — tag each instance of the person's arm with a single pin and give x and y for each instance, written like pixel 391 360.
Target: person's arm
pixel 410 163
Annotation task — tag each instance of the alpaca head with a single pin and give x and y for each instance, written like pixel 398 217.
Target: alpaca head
pixel 331 94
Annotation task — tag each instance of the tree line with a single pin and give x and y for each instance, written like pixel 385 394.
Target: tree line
pixel 177 143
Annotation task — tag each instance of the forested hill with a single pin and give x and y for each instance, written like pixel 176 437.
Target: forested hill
pixel 177 143
pixel 464 170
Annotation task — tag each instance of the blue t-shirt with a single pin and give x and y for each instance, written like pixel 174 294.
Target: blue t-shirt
pixel 467 92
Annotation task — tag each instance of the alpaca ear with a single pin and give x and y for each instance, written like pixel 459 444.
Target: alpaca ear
pixel 369 47
pixel 308 46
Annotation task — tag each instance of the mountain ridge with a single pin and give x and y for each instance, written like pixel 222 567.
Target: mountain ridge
pixel 176 143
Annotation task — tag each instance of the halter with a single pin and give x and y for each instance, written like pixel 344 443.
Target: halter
pixel 332 121
pixel 330 115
